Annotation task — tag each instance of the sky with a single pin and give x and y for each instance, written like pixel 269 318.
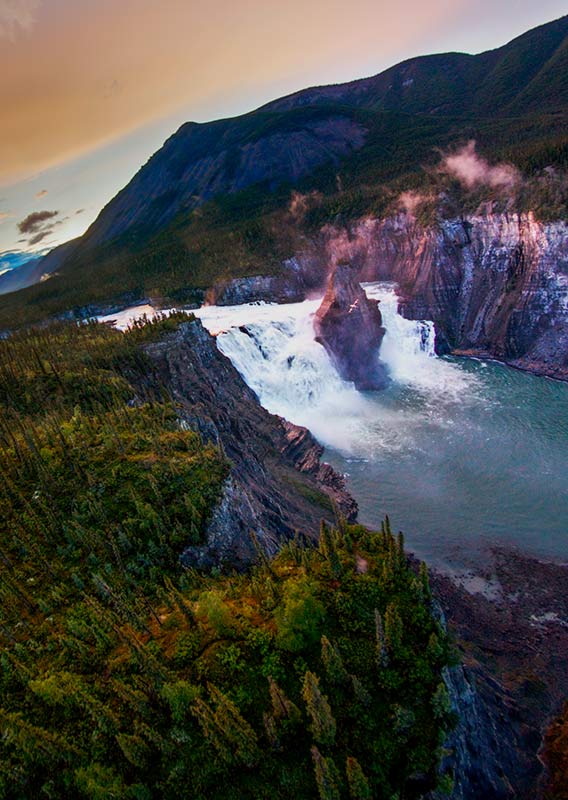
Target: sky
pixel 89 89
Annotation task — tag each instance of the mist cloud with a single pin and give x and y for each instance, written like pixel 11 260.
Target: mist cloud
pixel 473 170
pixel 17 15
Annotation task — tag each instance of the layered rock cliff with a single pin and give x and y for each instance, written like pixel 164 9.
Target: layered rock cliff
pixel 495 285
pixel 277 486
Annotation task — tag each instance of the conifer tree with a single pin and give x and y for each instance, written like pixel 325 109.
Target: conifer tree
pixel 359 788
pixel 393 629
pixel 361 694
pixel 326 776
pixel 425 582
pixel 226 729
pixel 328 549
pixel 333 662
pixel 322 721
pixel 282 706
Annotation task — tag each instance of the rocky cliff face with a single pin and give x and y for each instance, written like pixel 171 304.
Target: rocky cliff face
pixel 496 285
pixel 349 326
pixel 277 486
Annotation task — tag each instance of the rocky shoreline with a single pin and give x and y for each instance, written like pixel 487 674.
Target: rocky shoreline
pixel 510 622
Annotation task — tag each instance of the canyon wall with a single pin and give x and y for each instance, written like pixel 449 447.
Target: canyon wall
pixel 495 285
pixel 277 487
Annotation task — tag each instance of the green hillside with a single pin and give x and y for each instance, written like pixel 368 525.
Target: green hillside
pixel 123 676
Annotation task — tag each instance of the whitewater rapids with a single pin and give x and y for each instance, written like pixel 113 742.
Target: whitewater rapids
pixel 273 348
pixel 457 451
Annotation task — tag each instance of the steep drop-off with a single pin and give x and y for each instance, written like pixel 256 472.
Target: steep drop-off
pixel 277 485
pixel 495 285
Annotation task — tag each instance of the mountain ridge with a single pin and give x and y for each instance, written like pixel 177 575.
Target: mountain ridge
pixel 212 190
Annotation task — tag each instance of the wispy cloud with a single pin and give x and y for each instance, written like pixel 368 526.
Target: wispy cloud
pixel 41 193
pixel 36 220
pixel 16 16
pixel 38 225
pixel 39 237
pixel 5 215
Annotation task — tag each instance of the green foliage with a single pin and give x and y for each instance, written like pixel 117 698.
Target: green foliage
pixel 326 776
pixel 359 788
pixel 299 615
pixel 95 698
pixel 322 725
pixel 121 675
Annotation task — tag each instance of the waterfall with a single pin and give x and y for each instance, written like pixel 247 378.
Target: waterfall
pixel 273 348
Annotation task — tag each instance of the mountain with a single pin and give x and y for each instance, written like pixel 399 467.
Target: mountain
pixel 502 82
pixel 210 203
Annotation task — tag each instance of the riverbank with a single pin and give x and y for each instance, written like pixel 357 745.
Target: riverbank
pixel 510 622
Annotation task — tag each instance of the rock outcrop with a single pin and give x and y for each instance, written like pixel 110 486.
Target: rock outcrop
pixel 514 675
pixel 277 486
pixel 349 325
pixel 495 285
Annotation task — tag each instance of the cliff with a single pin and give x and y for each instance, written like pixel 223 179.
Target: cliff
pixel 495 285
pixel 277 485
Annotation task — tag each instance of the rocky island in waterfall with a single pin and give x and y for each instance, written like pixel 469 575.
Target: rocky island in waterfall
pixel 349 325
pixel 284 405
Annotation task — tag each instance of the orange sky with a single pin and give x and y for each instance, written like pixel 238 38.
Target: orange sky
pixel 87 71
pixel 79 74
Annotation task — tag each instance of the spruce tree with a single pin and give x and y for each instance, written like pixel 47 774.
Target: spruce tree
pixel 322 721
pixel 359 788
pixel 326 776
pixel 333 662
pixel 393 629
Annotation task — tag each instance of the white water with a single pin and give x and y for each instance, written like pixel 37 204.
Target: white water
pixel 274 349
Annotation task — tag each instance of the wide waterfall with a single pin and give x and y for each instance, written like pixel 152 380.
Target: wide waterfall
pixel 274 349
pixel 456 451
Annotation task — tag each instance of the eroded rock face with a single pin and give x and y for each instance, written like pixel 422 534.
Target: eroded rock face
pixel 349 325
pixel 277 486
pixel 495 285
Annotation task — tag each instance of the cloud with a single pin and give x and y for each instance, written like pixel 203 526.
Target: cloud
pixel 39 237
pixel 473 170
pixel 17 15
pixel 35 221
pixel 38 225
pixel 5 215
pixel 41 193
pixel 79 211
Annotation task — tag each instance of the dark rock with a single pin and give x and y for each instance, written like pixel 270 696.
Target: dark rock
pixel 495 285
pixel 514 677
pixel 349 325
pixel 284 288
pixel 277 485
